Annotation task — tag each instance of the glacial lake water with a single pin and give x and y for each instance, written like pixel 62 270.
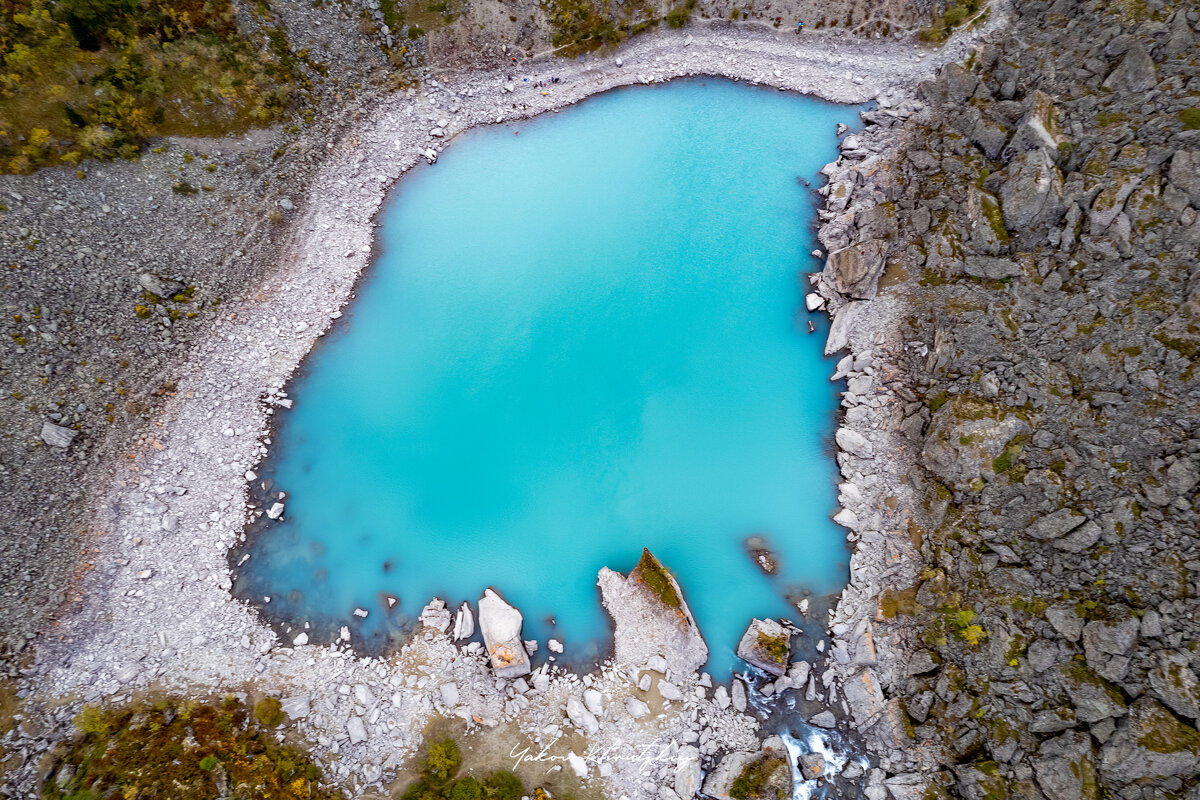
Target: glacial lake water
pixel 582 335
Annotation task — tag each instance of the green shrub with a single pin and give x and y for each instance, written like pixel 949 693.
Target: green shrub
pixel 173 748
pixel 503 785
pixel 443 760
pixel 677 17
pixel 269 711
pixel 465 789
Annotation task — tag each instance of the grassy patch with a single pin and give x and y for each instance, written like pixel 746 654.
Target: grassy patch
pixel 651 574
pixel 1190 117
pixel 183 750
pixel 96 78
pixel 894 602
pixel 943 24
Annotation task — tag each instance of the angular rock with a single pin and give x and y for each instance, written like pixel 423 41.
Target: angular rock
pixel 652 619
pixel 500 625
pixel 1057 524
pixel 580 717
pixel 766 645
pixel 1065 767
pixel 435 615
pixel 839 330
pixel 1136 72
pixel 57 436
pixel 1094 698
pixel 854 443
pixel 1032 196
pixel 1176 685
pixel 356 729
pixel 687 772
pixel 464 623
pixel 864 695
pixel 669 691
pixel 1151 743
pixel 772 759
pixel 1185 174
pixel 993 269
pixel 824 719
pixel 962 450
pixel 854 271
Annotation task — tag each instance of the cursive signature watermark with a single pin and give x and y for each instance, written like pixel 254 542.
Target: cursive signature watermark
pixel 623 752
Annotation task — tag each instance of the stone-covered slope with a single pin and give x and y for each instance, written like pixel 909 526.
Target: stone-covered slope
pixel 1035 227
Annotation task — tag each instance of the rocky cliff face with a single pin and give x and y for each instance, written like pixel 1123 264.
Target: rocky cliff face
pixel 1034 231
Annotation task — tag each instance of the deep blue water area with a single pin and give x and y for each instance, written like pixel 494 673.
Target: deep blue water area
pixel 583 335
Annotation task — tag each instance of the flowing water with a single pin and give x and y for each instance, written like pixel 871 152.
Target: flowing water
pixel 583 335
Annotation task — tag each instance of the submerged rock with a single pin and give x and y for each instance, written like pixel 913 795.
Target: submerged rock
pixel 652 619
pixel 766 645
pixel 500 625
pixel 760 551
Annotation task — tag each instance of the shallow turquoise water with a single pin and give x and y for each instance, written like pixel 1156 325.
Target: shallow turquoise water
pixel 582 336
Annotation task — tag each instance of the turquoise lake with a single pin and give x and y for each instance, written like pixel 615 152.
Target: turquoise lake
pixel 582 335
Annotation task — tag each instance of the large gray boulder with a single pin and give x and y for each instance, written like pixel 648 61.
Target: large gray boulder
pixel 1032 195
pixel 771 761
pixel 1151 743
pixel 1185 174
pixel 962 447
pixel 500 625
pixel 1176 685
pixel 1065 767
pixel 651 618
pixel 1134 74
pixel 1094 698
pixel 854 271
pixel 766 645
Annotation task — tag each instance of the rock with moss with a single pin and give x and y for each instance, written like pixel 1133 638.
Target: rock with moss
pixel 766 644
pixel 1094 698
pixel 652 618
pixel 965 439
pixel 1151 743
pixel 1065 767
pixel 1174 682
pixel 764 775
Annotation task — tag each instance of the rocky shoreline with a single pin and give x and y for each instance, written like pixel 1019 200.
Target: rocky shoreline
pixel 156 611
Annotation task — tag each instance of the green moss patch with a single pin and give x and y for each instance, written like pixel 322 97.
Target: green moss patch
pixel 774 646
pixel 651 574
pixel 752 782
pixel 1163 733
